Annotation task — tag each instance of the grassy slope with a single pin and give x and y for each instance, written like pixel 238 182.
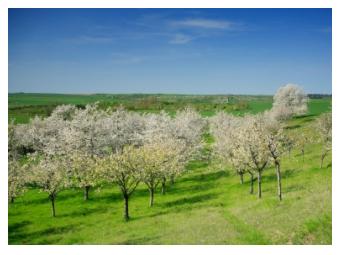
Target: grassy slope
pixel 205 206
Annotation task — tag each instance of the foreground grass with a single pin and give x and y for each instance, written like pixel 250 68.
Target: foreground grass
pixel 205 206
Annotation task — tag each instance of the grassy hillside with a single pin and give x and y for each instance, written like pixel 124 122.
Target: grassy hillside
pixel 207 205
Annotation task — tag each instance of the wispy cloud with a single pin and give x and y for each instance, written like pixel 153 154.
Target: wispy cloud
pixel 91 39
pixel 124 59
pixel 181 39
pixel 204 23
pixel 158 27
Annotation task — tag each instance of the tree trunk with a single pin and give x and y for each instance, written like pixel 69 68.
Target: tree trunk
pixel 278 174
pixel 126 207
pixel 303 155
pixel 259 177
pixel 12 200
pixel 163 185
pixel 251 184
pixel 52 198
pixel 172 179
pixel 152 191
pixel 289 152
pixel 241 178
pixel 86 192
pixel 322 158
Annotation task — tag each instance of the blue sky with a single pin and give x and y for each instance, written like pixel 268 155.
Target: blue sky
pixel 201 51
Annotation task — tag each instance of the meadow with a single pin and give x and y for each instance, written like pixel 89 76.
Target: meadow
pixel 206 205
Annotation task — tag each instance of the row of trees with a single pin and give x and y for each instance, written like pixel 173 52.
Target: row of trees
pixel 253 142
pixel 87 147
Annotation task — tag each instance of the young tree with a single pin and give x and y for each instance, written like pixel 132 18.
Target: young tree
pixel 84 140
pixel 289 100
pixel 225 129
pixel 160 158
pixel 16 179
pixel 324 126
pixel 83 172
pixel 301 140
pixel 49 174
pixel 276 141
pixel 123 169
pixel 252 147
pixel 288 144
pixel 16 171
pixel 186 128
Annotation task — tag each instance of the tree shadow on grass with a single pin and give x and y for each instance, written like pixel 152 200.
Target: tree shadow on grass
pixel 192 188
pixel 292 127
pixel 15 227
pixel 140 240
pixel 24 238
pixel 179 205
pixel 45 199
pixel 84 212
pixel 108 198
pixel 304 116
pixel 197 164
pixel 190 200
pixel 284 174
pixel 293 188
pixel 206 177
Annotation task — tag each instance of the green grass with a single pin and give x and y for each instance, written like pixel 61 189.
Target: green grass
pixel 206 205
pixel 22 106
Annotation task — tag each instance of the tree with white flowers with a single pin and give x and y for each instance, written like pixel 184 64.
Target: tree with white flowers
pixel 123 169
pixel 224 127
pixel 290 100
pixel 50 135
pixel 188 127
pixel 161 158
pixel 16 170
pixel 82 171
pixel 276 141
pixel 324 127
pixel 16 179
pixel 121 128
pixel 301 141
pixel 49 174
pixel 83 141
pixel 252 147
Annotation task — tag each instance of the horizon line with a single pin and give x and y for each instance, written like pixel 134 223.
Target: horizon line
pixel 158 93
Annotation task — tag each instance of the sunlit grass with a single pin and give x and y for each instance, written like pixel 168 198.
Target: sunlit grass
pixel 206 205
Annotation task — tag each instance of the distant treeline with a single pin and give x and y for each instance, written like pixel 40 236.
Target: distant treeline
pixel 317 96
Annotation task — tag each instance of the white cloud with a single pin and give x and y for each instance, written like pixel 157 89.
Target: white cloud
pixel 181 39
pixel 123 59
pixel 204 23
pixel 90 40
